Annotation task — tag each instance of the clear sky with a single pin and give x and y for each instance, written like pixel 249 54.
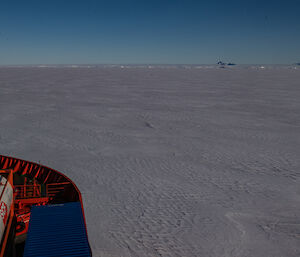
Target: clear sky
pixel 149 31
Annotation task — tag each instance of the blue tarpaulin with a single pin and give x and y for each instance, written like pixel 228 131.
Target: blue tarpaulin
pixel 57 230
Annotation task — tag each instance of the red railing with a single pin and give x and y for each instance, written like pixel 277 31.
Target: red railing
pixel 34 191
pixel 27 191
pixel 55 188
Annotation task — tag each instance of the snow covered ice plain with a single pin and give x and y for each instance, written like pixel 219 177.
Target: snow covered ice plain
pixel 170 162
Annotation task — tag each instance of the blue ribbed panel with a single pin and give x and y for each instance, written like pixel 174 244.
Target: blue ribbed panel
pixel 57 230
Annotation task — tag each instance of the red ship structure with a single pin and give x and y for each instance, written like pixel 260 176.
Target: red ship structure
pixel 24 185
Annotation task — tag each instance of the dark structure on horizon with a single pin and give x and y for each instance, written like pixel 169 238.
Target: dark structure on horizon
pixel 224 63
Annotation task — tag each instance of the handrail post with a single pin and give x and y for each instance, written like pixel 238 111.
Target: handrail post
pixel 25 183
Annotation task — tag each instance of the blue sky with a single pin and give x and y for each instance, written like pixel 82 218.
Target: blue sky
pixel 156 32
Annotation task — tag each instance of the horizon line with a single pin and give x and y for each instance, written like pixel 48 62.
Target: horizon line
pixel 140 64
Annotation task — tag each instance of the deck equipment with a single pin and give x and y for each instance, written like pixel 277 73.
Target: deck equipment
pixel 24 186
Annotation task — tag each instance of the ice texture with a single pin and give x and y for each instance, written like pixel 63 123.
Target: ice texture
pixel 170 161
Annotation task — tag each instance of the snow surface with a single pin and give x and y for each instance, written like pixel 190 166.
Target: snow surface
pixel 170 161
